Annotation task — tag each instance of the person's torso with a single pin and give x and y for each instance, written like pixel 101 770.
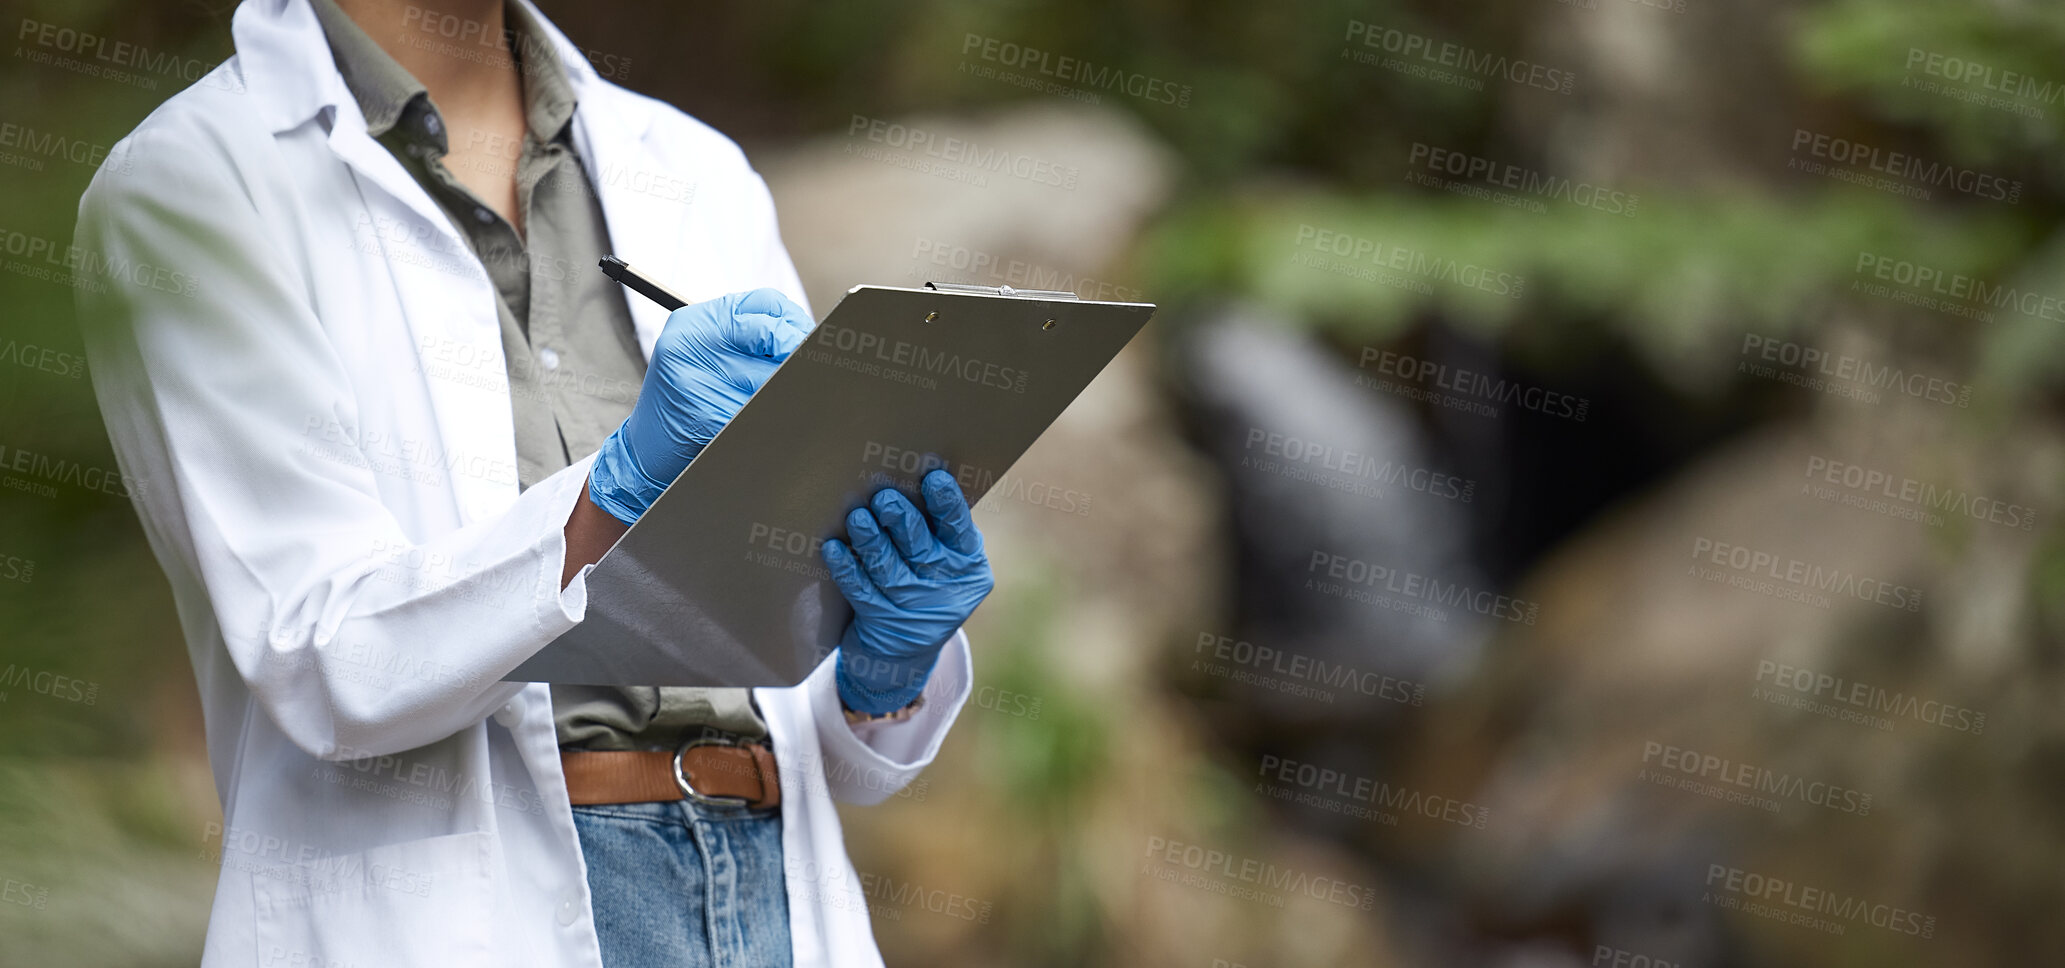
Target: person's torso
pixel 571 354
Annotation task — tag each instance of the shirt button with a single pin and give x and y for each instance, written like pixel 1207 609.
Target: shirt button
pixel 549 358
pixel 483 216
pixel 431 123
pixel 509 715
pixel 569 910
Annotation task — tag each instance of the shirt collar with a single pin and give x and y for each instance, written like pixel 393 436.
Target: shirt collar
pixel 382 87
pixel 386 92
pixel 548 97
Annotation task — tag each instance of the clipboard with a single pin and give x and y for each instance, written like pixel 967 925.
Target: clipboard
pixel 720 583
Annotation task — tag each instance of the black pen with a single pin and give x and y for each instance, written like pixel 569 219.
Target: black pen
pixel 622 272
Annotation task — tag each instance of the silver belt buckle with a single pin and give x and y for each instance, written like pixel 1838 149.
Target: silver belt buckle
pixel 681 776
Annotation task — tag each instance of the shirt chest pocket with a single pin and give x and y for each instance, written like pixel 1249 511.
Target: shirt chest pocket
pixel 420 902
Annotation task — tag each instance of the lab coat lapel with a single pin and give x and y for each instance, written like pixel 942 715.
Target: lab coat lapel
pixel 610 136
pixel 380 169
pixel 442 289
pixel 449 305
pixel 291 77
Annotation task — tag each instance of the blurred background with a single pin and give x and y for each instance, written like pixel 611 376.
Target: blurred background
pixel 1590 495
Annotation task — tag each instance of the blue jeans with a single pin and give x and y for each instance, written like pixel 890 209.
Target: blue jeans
pixel 682 885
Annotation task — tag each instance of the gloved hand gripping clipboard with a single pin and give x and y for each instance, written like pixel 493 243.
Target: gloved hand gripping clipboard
pixel 720 583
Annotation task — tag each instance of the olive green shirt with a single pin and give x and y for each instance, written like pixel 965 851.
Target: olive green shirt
pixel 574 364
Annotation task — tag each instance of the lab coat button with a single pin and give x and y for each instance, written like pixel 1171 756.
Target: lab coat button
pixel 509 715
pixel 549 358
pixel 569 910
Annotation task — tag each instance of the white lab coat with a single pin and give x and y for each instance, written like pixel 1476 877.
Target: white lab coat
pixel 301 370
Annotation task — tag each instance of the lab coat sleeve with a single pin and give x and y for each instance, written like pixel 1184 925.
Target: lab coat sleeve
pixel 355 639
pixel 867 763
pixel 775 265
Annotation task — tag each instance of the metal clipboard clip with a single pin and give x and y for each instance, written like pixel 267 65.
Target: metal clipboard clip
pixel 1001 291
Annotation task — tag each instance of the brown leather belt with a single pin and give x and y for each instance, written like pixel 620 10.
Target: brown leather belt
pixel 717 774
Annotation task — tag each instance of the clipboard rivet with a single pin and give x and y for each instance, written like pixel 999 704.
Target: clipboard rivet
pixel 929 317
pixel 1049 324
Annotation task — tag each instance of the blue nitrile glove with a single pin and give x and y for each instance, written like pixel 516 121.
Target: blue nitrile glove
pixel 711 357
pixel 910 589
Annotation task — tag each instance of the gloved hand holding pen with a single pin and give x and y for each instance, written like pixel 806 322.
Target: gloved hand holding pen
pixel 710 359
pixel 911 585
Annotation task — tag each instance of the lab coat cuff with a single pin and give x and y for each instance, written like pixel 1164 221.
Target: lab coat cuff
pixel 876 760
pixel 568 486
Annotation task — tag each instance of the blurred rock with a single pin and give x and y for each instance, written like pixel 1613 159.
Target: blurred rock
pixel 1943 716
pixel 1041 196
